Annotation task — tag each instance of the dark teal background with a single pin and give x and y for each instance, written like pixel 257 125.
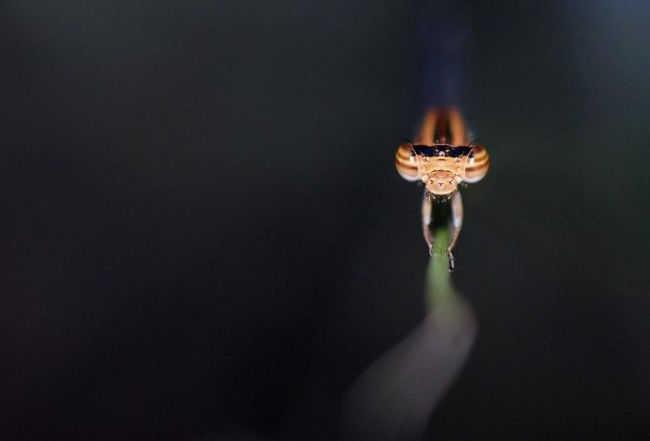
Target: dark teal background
pixel 204 234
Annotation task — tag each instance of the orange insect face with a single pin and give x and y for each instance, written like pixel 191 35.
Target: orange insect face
pixel 442 167
pixel 441 182
pixel 441 158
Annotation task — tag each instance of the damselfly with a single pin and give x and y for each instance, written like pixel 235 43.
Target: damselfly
pixel 442 157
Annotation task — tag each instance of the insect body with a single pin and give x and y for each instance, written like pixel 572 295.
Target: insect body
pixel 442 157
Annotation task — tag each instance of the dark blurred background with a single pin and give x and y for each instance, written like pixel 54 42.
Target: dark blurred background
pixel 204 237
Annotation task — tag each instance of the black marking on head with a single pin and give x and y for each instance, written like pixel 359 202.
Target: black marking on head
pixel 452 151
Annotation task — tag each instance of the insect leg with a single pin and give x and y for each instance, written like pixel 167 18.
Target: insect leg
pixel 456 225
pixel 427 210
pixel 428 127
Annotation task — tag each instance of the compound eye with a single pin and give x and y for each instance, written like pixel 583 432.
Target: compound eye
pixel 476 164
pixel 406 162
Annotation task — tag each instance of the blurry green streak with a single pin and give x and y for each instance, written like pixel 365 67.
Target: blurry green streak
pixel 440 293
pixel 393 399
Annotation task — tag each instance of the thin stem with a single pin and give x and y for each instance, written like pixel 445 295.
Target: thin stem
pixel 439 288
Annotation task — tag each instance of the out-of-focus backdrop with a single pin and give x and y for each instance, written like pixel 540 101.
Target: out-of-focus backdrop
pixel 204 236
